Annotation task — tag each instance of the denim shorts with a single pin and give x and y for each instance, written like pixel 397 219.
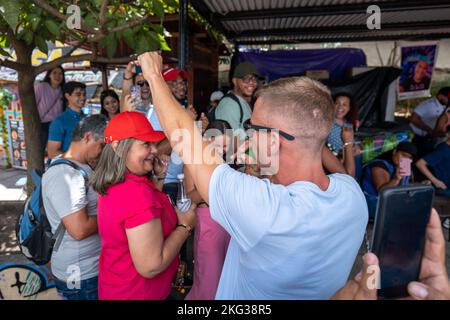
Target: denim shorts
pixel 88 290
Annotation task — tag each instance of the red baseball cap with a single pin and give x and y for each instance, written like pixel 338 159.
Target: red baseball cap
pixel 131 124
pixel 171 74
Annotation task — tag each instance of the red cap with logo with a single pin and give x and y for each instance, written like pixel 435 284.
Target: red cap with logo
pixel 130 124
pixel 171 74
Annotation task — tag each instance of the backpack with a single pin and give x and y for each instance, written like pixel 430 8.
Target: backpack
pixel 235 99
pixel 33 230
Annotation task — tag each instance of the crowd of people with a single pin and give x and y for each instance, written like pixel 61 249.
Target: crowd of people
pixel 258 234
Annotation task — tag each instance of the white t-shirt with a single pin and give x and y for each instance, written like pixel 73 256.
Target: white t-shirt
pixel 287 242
pixel 64 193
pixel 429 111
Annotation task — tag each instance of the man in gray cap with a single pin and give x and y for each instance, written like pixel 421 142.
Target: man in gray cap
pixel 234 107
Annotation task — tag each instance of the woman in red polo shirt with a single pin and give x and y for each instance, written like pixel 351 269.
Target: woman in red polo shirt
pixel 141 234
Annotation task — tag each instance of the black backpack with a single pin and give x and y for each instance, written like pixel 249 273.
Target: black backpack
pixel 33 231
pixel 235 99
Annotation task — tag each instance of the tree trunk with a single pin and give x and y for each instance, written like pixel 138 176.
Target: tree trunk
pixel 31 119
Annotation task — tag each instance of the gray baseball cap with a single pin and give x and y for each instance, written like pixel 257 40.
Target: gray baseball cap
pixel 245 68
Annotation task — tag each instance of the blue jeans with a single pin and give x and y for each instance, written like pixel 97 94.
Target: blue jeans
pixel 88 290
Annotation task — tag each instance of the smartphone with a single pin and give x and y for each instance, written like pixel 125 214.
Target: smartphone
pixel 405 166
pixel 399 236
pixel 138 69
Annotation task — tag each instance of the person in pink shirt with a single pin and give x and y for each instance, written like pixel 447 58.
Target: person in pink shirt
pixel 49 99
pixel 141 233
pixel 210 239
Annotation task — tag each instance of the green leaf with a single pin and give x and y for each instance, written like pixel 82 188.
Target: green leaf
pixel 35 24
pixel 52 26
pixel 171 3
pixel 110 44
pixel 90 20
pixel 158 28
pixel 10 11
pixel 158 8
pixel 41 44
pixel 163 44
pixel 98 3
pixel 27 36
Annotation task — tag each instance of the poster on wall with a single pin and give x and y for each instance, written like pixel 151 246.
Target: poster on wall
pixel 418 61
pixel 18 153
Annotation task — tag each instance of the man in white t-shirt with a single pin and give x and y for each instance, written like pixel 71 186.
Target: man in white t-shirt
pixel 297 235
pixel 424 118
pixel 69 200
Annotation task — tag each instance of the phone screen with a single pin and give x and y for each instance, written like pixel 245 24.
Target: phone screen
pixel 138 69
pixel 405 166
pixel 399 236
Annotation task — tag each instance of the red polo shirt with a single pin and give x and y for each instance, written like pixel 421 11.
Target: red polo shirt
pixel 127 205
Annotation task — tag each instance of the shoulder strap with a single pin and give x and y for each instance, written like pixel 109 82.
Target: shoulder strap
pixel 236 99
pixel 60 230
pixel 73 165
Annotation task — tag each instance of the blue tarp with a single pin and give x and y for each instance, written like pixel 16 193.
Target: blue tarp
pixel 277 64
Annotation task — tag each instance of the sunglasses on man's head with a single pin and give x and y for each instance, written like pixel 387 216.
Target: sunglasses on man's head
pixel 248 125
pixel 141 83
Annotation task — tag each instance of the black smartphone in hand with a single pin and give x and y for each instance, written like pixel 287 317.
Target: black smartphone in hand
pixel 399 236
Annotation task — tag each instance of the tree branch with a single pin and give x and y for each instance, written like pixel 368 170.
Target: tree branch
pixel 130 24
pixel 54 12
pixel 12 65
pixel 82 57
pixel 102 18
pixel 59 61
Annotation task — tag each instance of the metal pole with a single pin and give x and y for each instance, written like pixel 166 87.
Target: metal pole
pixel 182 34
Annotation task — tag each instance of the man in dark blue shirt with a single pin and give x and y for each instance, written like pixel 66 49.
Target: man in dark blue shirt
pixel 61 129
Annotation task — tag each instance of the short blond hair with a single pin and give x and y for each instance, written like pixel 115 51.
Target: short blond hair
pixel 305 105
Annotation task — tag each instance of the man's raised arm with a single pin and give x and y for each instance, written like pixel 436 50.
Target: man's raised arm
pixel 175 121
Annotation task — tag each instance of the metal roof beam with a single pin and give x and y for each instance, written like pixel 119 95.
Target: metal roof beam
pixel 203 10
pixel 431 36
pixel 395 6
pixel 420 25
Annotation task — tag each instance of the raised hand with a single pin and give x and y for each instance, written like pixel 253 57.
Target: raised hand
pixel 151 64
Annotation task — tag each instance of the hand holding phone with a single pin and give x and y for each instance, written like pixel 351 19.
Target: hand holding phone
pixel 399 236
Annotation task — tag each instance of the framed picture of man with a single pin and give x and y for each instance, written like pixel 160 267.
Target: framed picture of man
pixel 418 60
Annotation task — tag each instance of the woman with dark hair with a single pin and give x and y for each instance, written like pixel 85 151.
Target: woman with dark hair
pixel 346 113
pixel 49 99
pixel 340 140
pixel 110 103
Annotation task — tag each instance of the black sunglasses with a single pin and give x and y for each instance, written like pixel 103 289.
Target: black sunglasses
pixel 248 125
pixel 141 83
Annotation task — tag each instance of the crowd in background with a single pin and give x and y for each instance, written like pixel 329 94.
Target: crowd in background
pixel 255 236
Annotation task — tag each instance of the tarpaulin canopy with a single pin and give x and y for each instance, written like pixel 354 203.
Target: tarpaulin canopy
pixel 277 64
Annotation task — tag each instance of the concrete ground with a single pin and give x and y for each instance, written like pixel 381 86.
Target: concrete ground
pixel 8 189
